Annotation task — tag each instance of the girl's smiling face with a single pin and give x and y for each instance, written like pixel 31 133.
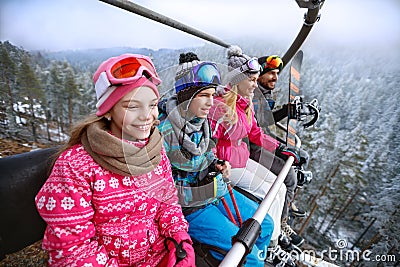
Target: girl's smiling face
pixel 133 116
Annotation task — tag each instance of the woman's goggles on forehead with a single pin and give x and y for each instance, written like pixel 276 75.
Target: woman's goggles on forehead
pixel 251 65
pixel 203 74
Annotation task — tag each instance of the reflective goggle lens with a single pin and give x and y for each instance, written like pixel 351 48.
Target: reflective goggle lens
pixel 206 73
pixel 129 67
pixel 253 64
pixel 203 74
pixel 273 62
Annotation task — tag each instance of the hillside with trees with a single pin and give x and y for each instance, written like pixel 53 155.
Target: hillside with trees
pixel 354 148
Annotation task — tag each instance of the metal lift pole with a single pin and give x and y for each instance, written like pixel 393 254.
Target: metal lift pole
pixel 147 13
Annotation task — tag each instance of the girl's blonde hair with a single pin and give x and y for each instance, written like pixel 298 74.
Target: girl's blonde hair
pixel 230 100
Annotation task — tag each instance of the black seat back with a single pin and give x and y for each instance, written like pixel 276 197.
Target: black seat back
pixel 21 177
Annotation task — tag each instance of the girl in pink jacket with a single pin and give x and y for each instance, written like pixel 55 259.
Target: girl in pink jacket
pixel 232 120
pixel 110 198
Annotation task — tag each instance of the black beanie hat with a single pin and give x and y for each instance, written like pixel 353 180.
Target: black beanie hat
pixel 186 62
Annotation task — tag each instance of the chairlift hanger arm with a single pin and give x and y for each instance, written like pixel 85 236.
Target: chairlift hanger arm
pixel 310 18
pixel 147 13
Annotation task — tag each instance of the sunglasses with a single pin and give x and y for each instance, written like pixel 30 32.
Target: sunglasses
pixel 203 74
pixel 251 65
pixel 272 62
pixel 127 71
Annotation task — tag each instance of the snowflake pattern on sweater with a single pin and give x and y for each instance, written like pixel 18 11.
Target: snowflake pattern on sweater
pixel 98 218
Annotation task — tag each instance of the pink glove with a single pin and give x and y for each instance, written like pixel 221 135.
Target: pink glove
pixel 185 252
pixel 188 261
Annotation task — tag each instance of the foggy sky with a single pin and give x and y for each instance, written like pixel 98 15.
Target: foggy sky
pixel 78 24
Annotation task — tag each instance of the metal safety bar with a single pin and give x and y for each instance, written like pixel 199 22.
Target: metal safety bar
pixel 238 250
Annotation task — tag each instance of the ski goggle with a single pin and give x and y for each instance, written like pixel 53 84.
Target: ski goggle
pixel 127 70
pixel 203 74
pixel 251 65
pixel 272 62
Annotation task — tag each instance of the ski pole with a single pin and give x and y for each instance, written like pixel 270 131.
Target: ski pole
pixel 228 211
pixel 235 205
pixel 147 13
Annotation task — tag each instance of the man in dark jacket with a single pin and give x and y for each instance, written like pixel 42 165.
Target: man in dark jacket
pixel 267 116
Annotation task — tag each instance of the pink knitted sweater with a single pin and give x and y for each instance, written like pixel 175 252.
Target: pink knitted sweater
pixel 98 218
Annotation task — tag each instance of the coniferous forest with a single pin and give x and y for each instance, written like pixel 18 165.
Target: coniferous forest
pixel 354 147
